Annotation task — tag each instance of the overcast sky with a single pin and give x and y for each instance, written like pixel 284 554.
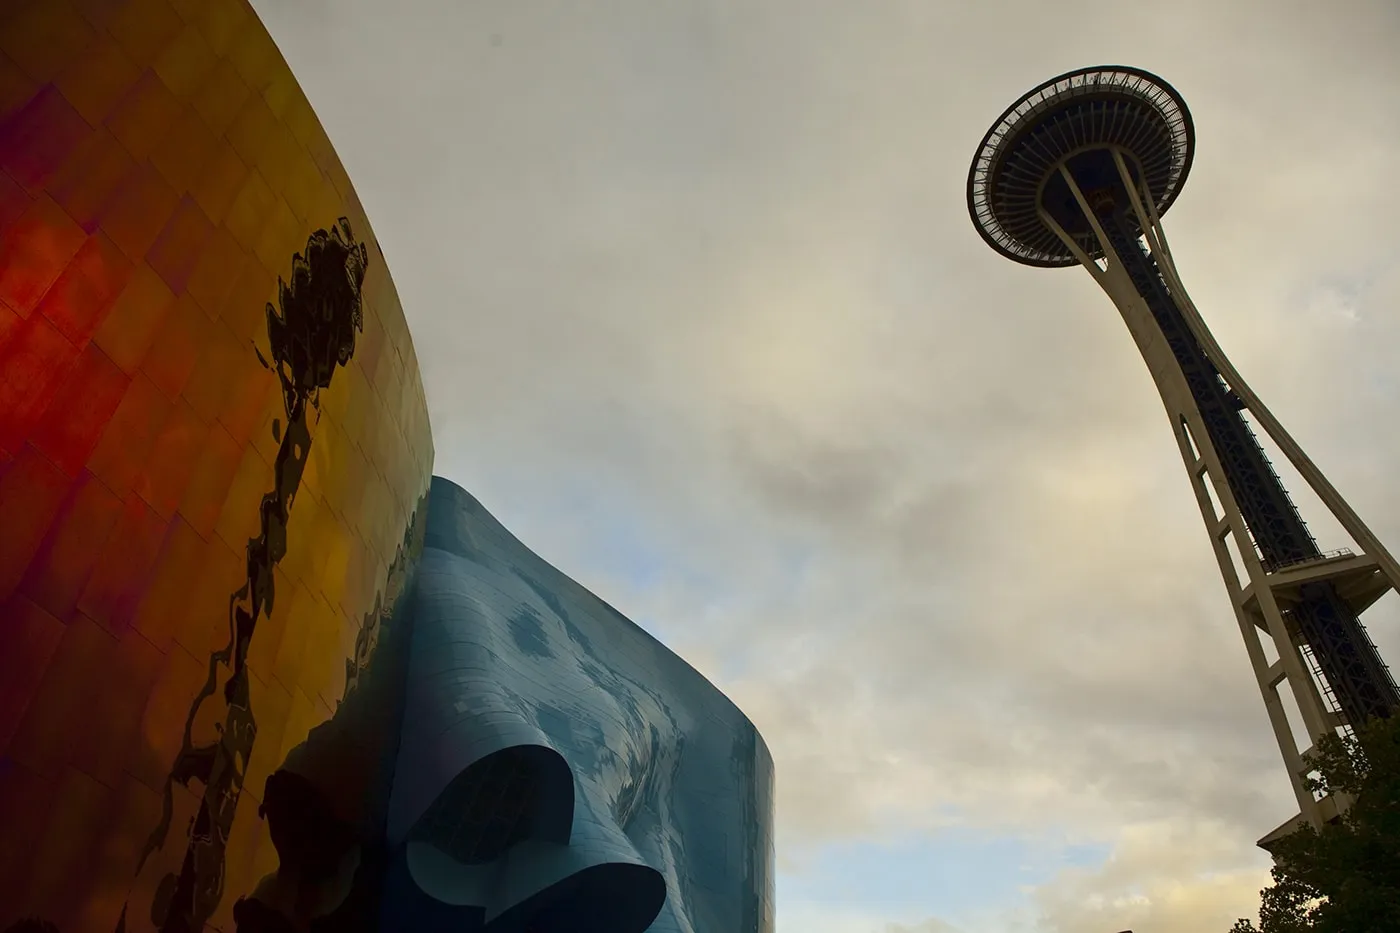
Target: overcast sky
pixel 704 321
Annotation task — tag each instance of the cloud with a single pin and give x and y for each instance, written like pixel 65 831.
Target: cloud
pixel 1163 878
pixel 933 925
pixel 824 919
pixel 703 320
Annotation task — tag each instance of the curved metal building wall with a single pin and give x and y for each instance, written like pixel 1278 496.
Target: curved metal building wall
pixel 207 478
pixel 237 689
pixel 559 769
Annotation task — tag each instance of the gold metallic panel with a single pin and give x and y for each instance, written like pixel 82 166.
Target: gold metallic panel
pixel 213 440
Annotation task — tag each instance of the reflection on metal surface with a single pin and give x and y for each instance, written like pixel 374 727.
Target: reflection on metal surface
pixel 311 334
pixel 324 806
pixel 159 168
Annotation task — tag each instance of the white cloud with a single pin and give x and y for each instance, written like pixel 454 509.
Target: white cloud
pixel 1162 878
pixel 933 925
pixel 824 919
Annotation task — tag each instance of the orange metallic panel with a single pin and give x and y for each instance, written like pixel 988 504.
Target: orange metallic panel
pixel 246 398
pixel 32 367
pixel 13 203
pixel 73 422
pixel 212 439
pixel 255 55
pixel 174 454
pixel 177 248
pixel 86 182
pixel 215 271
pixel 129 329
pixel 98 79
pixel 185 152
pixel 59 720
pixel 213 475
pixel 26 802
pixel 220 183
pixel 99 13
pixel 62 855
pixel 145 27
pixel 123 569
pixel 253 129
pixel 41 137
pixel 163 720
pixel 31 638
pixel 9 324
pixel 223 97
pixel 60 569
pixel 31 491
pixel 143 117
pixel 44 37
pixel 186 63
pixel 302 183
pixel 16 88
pixel 220 21
pixel 134 808
pixel 121 695
pixel 250 211
pixel 78 301
pixel 37 247
pixel 239 520
pixel 245 308
pixel 172 357
pixel 139 209
pixel 164 603
pixel 126 442
pixel 220 361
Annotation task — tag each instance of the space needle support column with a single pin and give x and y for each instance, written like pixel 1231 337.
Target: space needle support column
pixel 1375 570
pixel 1319 721
pixel 1374 554
pixel 1080 170
pixel 1315 478
pixel 1205 470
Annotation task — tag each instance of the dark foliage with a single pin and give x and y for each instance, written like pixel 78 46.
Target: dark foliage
pixel 1346 877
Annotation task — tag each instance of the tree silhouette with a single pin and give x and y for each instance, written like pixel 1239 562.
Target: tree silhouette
pixel 1344 878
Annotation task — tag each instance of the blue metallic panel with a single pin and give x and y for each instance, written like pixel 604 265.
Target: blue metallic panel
pixel 558 767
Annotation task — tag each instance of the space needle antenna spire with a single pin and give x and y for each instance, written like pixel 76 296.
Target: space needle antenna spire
pixel 1080 171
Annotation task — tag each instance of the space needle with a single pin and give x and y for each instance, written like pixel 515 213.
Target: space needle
pixel 1080 171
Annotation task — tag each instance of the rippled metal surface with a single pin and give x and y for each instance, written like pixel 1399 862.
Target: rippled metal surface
pixel 643 796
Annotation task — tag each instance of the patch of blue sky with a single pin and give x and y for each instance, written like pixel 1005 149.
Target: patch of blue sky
pixel 954 873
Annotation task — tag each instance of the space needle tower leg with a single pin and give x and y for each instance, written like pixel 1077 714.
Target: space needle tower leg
pixel 1080 171
pixel 1207 475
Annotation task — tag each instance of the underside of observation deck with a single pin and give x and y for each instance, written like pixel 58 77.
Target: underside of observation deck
pixel 1076 118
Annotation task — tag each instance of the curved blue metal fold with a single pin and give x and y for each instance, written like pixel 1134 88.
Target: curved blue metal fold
pixel 559 768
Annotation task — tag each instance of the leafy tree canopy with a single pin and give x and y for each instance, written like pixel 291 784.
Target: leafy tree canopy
pixel 1346 877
